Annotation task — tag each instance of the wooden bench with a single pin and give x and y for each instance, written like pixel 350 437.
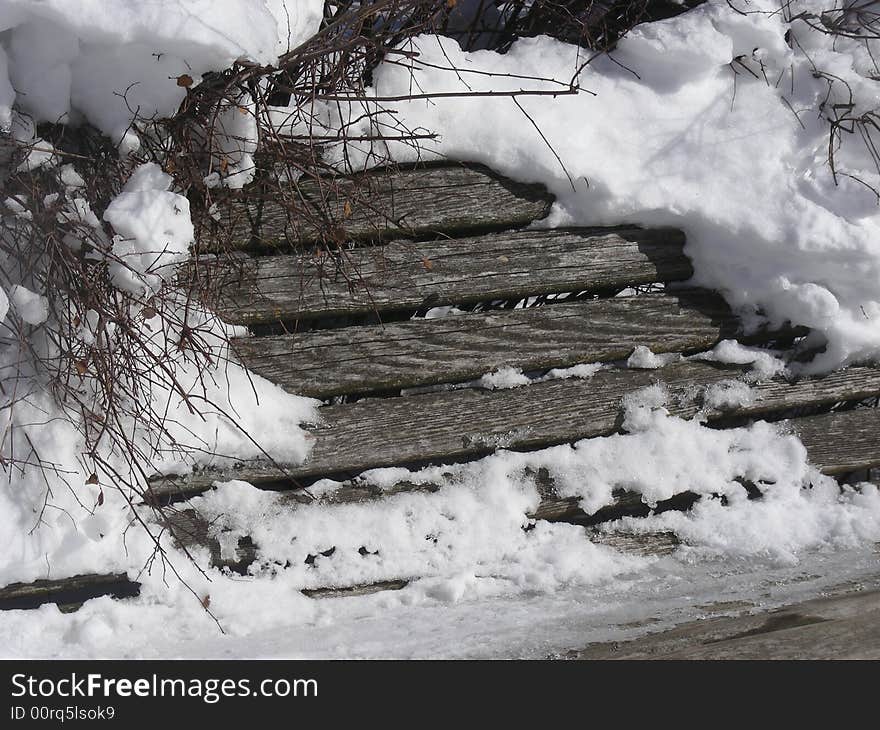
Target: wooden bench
pixel 341 328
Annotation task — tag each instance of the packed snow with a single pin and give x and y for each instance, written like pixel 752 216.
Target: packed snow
pixel 712 122
pixel 764 363
pixel 643 359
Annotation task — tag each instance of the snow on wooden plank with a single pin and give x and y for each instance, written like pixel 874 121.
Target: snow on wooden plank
pixel 190 529
pixel 381 204
pixel 457 349
pixel 461 424
pixel 403 275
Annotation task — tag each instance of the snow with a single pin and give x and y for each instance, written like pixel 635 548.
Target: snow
pixel 30 306
pixel 68 61
pixel 729 395
pixel 586 370
pixel 503 378
pixel 7 93
pixel 482 585
pixel 710 122
pixel 153 231
pixel 105 61
pixel 765 363
pixel 642 358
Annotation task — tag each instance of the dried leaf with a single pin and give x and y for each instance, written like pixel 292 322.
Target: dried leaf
pixel 100 497
pixel 81 367
pixel 206 602
pixel 429 266
pixel 185 80
pixel 346 210
pixel 93 479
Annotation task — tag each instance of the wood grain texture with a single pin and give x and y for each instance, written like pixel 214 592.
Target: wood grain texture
pixel 841 442
pixel 836 442
pixel 7 155
pixel 836 627
pixel 454 425
pixel 404 275
pixel 66 592
pixel 457 349
pixel 358 590
pixel 380 204
pixel 189 529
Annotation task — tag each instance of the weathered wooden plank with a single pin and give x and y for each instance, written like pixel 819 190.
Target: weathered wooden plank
pixel 7 155
pixel 841 442
pixel 836 442
pixel 380 204
pixel 445 426
pixel 837 627
pixel 650 543
pixel 358 590
pixel 66 592
pixel 404 275
pixel 457 349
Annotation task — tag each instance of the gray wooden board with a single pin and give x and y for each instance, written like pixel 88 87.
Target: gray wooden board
pixel 404 275
pixel 467 423
pixel 380 204
pixel 456 349
pixel 66 591
pixel 837 627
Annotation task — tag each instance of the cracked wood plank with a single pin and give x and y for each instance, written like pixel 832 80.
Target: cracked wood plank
pixel 359 360
pixel 403 275
pixel 379 204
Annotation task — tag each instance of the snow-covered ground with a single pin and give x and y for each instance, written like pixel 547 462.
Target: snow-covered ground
pixel 420 622
pixel 714 122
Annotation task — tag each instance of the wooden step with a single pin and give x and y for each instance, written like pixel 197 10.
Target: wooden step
pixel 68 593
pixel 457 349
pixel 837 627
pixel 836 442
pixel 379 204
pixel 403 275
pixel 460 424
